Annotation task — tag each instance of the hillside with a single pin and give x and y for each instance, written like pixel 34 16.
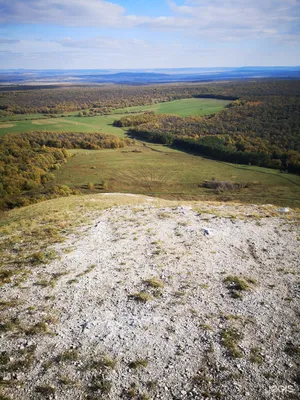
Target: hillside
pixel 124 297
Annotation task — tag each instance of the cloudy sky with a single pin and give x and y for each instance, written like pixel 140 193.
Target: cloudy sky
pixel 121 34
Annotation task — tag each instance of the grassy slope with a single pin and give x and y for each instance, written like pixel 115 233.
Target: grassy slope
pixel 175 174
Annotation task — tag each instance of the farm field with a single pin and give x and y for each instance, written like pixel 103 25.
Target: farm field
pixel 183 108
pixel 161 171
pixel 104 123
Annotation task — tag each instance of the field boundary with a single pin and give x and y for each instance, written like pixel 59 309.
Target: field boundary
pixel 261 172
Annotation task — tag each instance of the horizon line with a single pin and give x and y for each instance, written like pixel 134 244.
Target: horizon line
pixel 146 69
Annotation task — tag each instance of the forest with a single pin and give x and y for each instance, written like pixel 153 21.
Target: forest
pixel 261 130
pixel 103 99
pixel 27 162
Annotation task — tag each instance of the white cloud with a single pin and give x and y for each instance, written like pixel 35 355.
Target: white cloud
pixel 104 45
pixel 101 52
pixel 216 23
pixel 64 12
pixel 240 18
pixel 210 19
pixel 167 23
pixel 8 41
pixel 27 47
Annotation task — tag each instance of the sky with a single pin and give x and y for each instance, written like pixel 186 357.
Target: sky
pixel 147 34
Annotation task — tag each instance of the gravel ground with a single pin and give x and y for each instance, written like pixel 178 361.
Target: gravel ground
pixel 141 304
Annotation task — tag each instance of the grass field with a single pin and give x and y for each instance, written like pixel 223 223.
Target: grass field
pixel 37 122
pixel 183 108
pixel 65 124
pixel 161 171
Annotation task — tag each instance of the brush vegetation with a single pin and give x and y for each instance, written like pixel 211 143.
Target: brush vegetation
pixel 28 161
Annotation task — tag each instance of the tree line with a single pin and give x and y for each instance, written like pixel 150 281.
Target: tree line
pixel 263 131
pixel 103 99
pixel 28 160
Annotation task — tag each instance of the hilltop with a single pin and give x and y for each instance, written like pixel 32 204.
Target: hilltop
pixel 123 297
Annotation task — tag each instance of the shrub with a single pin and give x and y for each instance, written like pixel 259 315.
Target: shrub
pixel 142 297
pixel 236 283
pixel 154 283
pixel 230 338
pixel 45 390
pixel 139 363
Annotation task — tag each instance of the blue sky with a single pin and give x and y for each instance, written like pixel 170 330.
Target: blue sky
pixel 124 34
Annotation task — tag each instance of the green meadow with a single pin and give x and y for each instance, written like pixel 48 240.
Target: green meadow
pixel 183 108
pixel 64 124
pixel 104 123
pixel 160 171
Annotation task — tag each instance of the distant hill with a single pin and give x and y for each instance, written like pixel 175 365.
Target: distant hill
pixel 145 76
